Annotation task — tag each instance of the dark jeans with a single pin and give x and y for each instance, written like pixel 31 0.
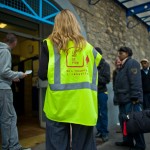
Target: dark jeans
pixel 146 101
pixel 123 111
pixel 102 122
pixel 58 136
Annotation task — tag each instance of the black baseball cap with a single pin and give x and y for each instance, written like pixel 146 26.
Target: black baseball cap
pixel 127 50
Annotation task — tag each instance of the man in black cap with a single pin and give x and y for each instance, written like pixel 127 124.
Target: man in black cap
pixel 103 79
pixel 128 92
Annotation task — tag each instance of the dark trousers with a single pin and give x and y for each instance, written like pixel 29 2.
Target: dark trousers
pixel 58 136
pixel 146 101
pixel 139 138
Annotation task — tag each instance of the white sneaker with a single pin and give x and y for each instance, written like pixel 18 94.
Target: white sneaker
pixel 25 149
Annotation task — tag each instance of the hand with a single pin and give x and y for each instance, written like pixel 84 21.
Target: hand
pixel 23 75
pixel 135 100
pixel 16 80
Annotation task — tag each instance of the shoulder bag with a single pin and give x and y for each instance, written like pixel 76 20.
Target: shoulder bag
pixel 138 122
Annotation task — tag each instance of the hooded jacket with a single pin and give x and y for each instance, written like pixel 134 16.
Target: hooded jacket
pixel 6 74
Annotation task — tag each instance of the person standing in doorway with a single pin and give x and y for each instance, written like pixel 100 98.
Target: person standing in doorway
pixel 8 118
pixel 69 63
pixel 145 73
pixel 103 80
pixel 128 92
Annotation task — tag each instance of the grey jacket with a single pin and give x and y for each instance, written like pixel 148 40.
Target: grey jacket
pixel 6 74
pixel 128 85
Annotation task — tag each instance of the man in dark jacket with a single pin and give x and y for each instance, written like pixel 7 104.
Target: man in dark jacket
pixel 103 79
pixel 128 91
pixel 145 72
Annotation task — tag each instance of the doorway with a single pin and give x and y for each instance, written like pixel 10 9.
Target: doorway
pixel 26 93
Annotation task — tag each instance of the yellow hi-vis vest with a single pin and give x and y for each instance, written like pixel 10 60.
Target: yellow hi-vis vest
pixel 71 95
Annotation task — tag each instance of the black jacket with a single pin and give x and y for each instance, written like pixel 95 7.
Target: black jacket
pixel 43 65
pixel 114 78
pixel 103 75
pixel 145 81
pixel 128 84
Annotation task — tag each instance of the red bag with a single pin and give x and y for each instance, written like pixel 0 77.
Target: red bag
pixel 125 128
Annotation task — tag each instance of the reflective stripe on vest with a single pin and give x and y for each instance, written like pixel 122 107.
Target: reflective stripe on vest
pixel 57 86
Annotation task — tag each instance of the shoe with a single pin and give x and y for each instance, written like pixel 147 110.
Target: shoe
pixel 25 148
pixel 137 148
pixel 105 138
pixel 98 135
pixel 124 144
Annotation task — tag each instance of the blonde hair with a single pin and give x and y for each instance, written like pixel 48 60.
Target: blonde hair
pixel 66 28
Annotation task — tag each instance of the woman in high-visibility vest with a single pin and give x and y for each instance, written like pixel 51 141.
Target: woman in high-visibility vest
pixel 69 63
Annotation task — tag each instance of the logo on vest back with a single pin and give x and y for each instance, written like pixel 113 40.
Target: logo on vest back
pixel 76 64
pixel 74 59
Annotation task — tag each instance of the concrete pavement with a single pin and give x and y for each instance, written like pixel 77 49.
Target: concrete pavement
pixel 118 137
pixel 109 145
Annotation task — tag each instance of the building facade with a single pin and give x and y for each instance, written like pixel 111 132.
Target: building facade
pixel 102 23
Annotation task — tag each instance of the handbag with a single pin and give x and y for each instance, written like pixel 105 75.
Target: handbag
pixel 138 122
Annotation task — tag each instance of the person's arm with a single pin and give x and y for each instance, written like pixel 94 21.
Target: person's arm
pixel 134 76
pixel 43 62
pixel 103 73
pixel 6 71
pixel 114 77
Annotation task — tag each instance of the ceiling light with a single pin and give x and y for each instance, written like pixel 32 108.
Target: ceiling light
pixel 3 25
